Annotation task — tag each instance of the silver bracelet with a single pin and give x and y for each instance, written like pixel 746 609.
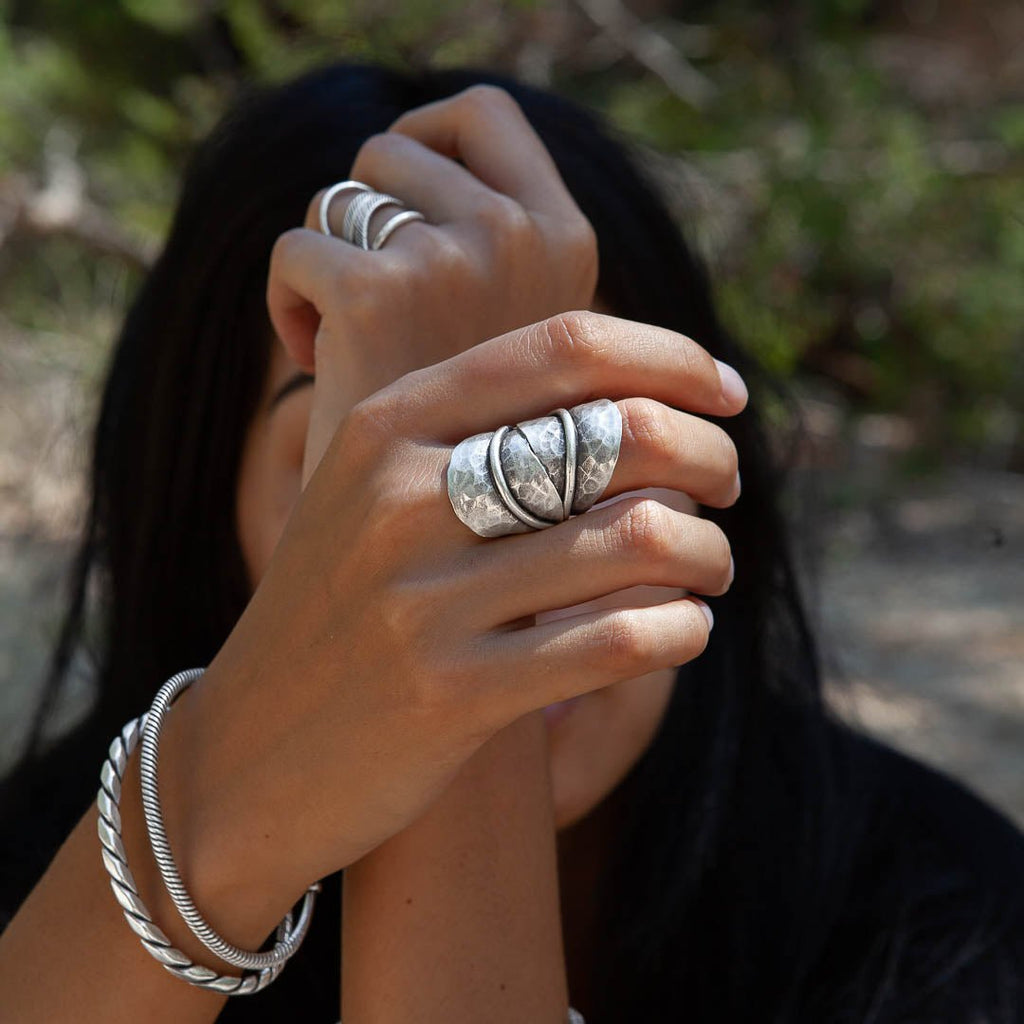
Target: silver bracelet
pixel 123 884
pixel 285 947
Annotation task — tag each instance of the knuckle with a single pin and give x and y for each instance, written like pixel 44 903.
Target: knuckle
pixel 407 614
pixel 646 529
pixel 376 150
pixel 503 214
pixel 285 246
pixel 441 686
pixel 626 641
pixel 427 695
pixel 391 514
pixel 369 426
pixel 449 257
pixel 696 362
pixel 574 336
pixel 398 492
pixel 643 424
pixel 487 98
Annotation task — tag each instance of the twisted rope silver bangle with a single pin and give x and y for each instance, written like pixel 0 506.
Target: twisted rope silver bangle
pixel 284 947
pixel 122 882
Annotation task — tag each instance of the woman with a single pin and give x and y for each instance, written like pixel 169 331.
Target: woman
pixel 724 849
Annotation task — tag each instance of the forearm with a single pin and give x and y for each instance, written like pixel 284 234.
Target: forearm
pixel 69 954
pixel 456 918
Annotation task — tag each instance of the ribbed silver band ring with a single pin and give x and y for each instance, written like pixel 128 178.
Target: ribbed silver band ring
pixel 355 228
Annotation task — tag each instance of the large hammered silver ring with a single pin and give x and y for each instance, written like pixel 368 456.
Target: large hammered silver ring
pixel 537 473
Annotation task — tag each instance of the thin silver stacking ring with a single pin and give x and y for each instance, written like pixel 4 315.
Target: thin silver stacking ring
pixel 393 224
pixel 339 188
pixel 355 227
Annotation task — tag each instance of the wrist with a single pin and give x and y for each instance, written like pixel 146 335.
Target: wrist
pixel 237 886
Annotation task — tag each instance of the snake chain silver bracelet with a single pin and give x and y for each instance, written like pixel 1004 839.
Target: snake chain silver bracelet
pixel 148 770
pixel 288 935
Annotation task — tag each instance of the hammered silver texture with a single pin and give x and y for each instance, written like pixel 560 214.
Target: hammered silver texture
pixel 472 492
pixel 122 882
pixel 546 438
pixel 599 425
pixel 532 461
pixel 528 479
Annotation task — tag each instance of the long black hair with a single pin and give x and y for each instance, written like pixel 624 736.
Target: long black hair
pixel 746 876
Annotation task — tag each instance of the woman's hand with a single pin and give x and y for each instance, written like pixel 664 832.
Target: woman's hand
pixel 378 653
pixel 504 245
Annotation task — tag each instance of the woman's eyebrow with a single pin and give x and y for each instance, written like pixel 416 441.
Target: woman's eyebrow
pixel 299 380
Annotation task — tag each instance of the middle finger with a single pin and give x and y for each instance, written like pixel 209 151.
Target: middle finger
pixel 661 447
pixel 635 541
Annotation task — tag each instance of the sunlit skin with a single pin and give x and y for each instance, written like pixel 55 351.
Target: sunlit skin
pixel 593 746
pixel 378 691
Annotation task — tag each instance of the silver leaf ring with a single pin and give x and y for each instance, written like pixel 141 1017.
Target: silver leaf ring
pixel 537 473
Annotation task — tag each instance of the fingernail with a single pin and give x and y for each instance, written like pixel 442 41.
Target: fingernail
pixel 732 570
pixel 733 387
pixel 708 614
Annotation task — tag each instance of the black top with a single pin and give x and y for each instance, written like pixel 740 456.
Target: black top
pixel 935 867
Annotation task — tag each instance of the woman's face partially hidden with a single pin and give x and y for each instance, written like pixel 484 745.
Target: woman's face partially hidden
pixel 595 739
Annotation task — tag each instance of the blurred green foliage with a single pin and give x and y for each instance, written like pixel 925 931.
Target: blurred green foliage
pixel 854 175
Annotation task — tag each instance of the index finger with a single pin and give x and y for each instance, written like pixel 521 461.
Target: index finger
pixel 486 129
pixel 563 361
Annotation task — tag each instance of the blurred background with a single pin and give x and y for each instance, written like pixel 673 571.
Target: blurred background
pixel 851 170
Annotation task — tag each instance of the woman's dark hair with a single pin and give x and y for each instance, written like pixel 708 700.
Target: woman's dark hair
pixel 747 879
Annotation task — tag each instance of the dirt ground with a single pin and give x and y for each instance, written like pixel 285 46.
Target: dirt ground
pixel 922 617
pixel 919 595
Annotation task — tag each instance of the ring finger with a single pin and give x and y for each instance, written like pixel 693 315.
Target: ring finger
pixel 635 541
